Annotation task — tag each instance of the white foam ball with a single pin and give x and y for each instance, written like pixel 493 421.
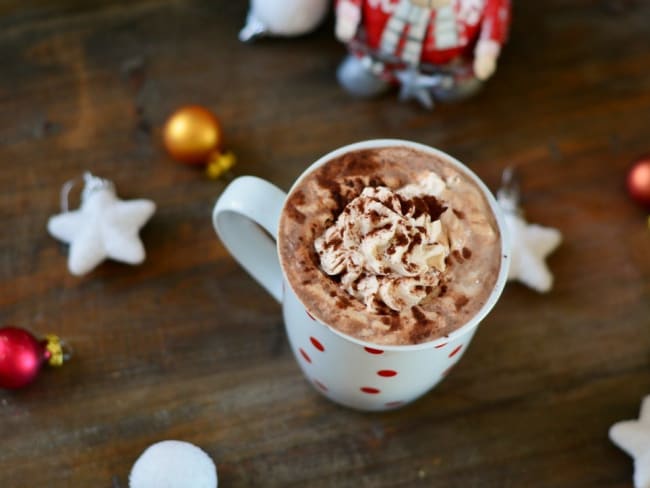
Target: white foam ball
pixel 173 464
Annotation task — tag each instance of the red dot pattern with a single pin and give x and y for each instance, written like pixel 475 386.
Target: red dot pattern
pixel 384 373
pixel 370 390
pixel 387 373
pixel 373 351
pixel 305 355
pixel 317 344
pixel 455 351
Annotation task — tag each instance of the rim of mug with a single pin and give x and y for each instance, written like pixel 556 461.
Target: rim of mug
pixel 502 277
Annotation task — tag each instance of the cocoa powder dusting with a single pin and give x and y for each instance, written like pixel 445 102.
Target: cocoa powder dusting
pixel 421 329
pixel 395 323
pixel 418 336
pixel 383 309
pixel 298 198
pixel 417 239
pixel 337 241
pixel 293 213
pixel 374 216
pixel 400 239
pixel 339 201
pixel 434 207
pixel 342 302
pixel 419 316
pixel 362 162
pixel 405 204
pixel 420 207
pixel 313 256
pixel 461 301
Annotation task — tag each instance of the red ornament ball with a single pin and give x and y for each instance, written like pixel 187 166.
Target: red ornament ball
pixel 638 181
pixel 22 356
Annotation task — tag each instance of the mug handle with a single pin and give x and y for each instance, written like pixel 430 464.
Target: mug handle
pixel 247 204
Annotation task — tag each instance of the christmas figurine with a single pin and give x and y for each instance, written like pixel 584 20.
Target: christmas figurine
pixel 432 49
pixel 282 18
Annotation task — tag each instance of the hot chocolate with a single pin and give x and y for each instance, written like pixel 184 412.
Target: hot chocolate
pixel 390 245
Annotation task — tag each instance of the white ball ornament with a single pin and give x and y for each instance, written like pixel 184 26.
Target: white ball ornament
pixel 173 464
pixel 284 18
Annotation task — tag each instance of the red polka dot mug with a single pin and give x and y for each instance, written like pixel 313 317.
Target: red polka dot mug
pixel 346 370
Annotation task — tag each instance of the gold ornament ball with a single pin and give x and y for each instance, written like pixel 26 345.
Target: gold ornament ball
pixel 192 134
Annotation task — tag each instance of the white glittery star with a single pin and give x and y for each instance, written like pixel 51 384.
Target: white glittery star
pixel 104 227
pixel 633 436
pixel 531 244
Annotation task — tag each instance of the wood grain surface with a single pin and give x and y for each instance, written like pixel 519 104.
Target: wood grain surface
pixel 188 347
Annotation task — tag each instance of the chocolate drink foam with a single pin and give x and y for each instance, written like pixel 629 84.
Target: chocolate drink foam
pixel 390 245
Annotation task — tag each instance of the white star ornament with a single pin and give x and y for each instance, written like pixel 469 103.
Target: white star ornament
pixel 103 227
pixel 531 244
pixel 633 436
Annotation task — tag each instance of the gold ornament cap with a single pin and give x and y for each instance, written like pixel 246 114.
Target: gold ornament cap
pixel 219 163
pixel 56 352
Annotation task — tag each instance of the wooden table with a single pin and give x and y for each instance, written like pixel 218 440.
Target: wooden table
pixel 188 347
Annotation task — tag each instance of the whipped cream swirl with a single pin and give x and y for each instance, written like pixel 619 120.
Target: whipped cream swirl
pixel 388 247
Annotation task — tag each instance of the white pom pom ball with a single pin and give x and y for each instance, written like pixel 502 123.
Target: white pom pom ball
pixel 173 464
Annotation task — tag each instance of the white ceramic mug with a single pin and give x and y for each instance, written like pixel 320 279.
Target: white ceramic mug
pixel 346 370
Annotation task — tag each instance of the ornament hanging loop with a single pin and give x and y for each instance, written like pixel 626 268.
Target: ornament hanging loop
pixel 92 184
pixel 509 194
pixel 65 193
